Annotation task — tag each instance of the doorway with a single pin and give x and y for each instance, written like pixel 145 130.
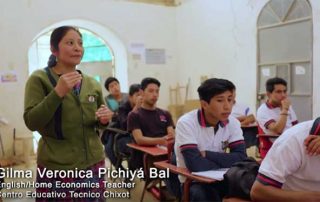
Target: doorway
pixel 284 29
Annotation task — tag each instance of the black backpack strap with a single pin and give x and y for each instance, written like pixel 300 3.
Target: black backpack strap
pixel 57 114
pixel 52 80
pixel 315 130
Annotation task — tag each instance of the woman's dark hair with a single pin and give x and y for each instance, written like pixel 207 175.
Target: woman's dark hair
pixel 108 81
pixel 146 81
pixel 134 88
pixel 274 81
pixel 212 87
pixel 55 38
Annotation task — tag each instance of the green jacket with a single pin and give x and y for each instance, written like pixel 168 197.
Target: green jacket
pixel 80 146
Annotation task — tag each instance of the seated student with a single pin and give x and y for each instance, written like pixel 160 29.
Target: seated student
pixel 203 135
pixel 244 115
pixel 276 115
pixel 242 112
pixel 115 98
pixel 289 173
pixel 149 125
pixel 132 104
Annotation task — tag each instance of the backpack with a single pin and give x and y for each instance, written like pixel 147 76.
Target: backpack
pixel 240 178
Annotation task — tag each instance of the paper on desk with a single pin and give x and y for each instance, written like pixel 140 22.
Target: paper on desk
pixel 213 174
pixel 162 147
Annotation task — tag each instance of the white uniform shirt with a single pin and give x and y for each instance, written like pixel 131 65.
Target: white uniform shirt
pixel 239 109
pixel 288 163
pixel 190 130
pixel 267 114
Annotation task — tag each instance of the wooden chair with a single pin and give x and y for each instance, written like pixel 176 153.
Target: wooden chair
pixel 187 174
pixel 151 154
pixel 181 171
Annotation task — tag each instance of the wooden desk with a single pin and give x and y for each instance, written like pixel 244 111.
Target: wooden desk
pixel 149 154
pixel 186 173
pixel 268 135
pixel 250 125
pixel 182 171
pixel 150 150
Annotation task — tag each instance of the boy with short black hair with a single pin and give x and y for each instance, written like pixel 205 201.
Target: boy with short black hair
pixel 277 114
pixel 149 124
pixel 116 97
pixel 113 101
pixel 203 135
pixel 133 103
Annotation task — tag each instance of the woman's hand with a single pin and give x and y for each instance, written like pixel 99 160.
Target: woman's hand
pixel 66 82
pixel 104 114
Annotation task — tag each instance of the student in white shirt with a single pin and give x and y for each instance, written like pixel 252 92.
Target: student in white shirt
pixel 290 171
pixel 247 120
pixel 276 115
pixel 242 112
pixel 203 135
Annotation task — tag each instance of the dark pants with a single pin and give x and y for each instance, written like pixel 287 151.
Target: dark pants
pixel 108 147
pixel 173 184
pixel 207 192
pixel 122 144
pixel 121 147
pixel 250 136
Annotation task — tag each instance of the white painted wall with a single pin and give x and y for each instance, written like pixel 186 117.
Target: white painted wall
pixel 101 69
pixel 218 38
pixel 20 22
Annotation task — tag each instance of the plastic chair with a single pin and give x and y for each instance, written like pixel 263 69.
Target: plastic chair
pixel 264 142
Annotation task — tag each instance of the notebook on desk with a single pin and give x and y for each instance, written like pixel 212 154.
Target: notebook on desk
pixel 213 174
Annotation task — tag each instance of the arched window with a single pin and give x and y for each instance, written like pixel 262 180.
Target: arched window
pixel 95 48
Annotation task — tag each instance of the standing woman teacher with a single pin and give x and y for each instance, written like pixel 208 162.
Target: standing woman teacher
pixel 67 108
